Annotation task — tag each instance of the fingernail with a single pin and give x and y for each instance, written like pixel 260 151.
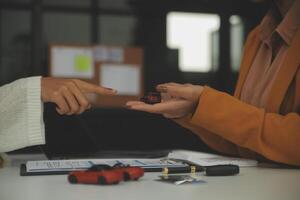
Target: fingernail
pixel 111 89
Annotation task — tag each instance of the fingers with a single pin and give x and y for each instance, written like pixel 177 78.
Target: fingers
pixel 146 108
pixel 159 108
pixel 175 90
pixel 91 88
pixel 185 91
pixel 164 87
pixel 80 98
pixel 134 103
pixel 72 102
pixel 62 106
pixel 141 106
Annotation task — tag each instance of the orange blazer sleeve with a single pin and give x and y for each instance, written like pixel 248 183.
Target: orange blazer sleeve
pixel 272 135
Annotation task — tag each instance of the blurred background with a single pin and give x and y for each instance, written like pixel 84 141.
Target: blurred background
pixel 194 41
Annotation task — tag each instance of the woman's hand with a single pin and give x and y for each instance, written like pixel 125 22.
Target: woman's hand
pixel 184 91
pixel 178 100
pixel 70 94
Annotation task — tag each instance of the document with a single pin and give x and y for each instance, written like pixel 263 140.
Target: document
pixel 73 165
pixel 206 159
pixel 177 158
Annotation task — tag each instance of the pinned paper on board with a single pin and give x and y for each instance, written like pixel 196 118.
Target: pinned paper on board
pixel 109 54
pixel 101 54
pixel 83 63
pixel 116 55
pixel 72 62
pixel 122 77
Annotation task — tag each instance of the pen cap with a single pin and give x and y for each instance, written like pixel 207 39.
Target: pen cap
pixel 222 170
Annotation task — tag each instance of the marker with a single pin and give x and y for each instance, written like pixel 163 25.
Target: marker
pixel 216 170
pixel 187 169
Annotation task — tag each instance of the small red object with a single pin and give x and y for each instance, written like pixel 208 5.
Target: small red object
pixel 106 175
pixel 130 173
pixel 151 98
pixel 93 177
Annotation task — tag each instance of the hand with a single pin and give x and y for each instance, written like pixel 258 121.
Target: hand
pixel 172 108
pixel 70 94
pixel 177 100
pixel 184 91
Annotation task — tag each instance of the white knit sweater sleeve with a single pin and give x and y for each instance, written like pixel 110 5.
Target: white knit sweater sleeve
pixel 21 114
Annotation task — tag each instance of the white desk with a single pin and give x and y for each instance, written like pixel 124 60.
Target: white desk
pixel 251 183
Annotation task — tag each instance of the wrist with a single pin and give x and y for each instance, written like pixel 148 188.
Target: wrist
pixel 197 96
pixel 197 93
pixel 44 96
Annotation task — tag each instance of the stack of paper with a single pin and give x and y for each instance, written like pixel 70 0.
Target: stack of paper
pixel 206 159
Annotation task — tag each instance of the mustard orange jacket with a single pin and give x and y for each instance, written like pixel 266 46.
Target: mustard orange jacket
pixel 233 127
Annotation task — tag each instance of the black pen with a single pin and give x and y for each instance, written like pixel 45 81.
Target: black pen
pixel 216 170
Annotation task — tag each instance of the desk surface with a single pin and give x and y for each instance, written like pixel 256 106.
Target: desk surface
pixel 251 183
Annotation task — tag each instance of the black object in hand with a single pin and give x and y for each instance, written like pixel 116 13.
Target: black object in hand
pixel 151 98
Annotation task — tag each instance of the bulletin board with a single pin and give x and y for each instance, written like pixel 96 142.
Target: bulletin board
pixel 122 69
pixel 115 67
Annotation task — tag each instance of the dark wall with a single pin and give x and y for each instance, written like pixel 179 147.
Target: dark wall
pixel 28 26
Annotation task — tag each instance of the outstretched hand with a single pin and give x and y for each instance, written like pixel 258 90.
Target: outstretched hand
pixel 184 91
pixel 178 100
pixel 70 94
